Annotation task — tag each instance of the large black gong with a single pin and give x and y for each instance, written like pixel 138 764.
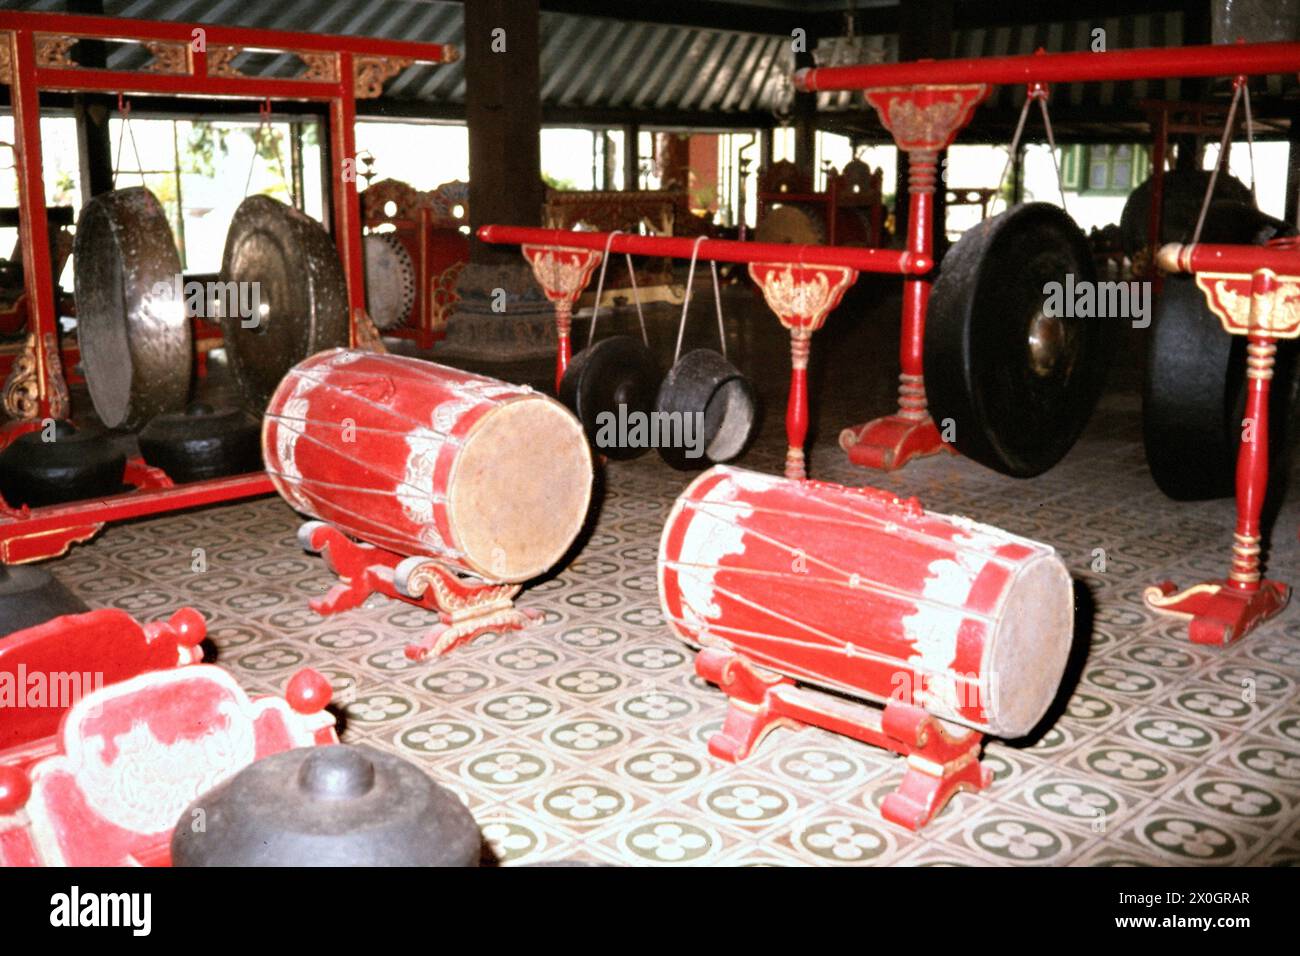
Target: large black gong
pixel 617 377
pixel 1195 398
pixel 1017 383
pixel 301 299
pixel 136 345
pixel 1183 191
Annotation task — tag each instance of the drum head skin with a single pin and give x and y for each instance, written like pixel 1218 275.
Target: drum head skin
pixel 136 343
pixel 515 520
pixel 1017 384
pixel 390 280
pixel 290 262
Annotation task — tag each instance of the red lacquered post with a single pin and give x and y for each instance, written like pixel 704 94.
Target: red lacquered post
pixel 924 120
pixel 1254 305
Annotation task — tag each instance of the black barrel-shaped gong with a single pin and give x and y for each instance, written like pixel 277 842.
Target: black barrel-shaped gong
pixel 284 265
pixel 1183 192
pixel 707 394
pixel 136 345
pixel 1195 398
pixel 617 377
pixel 1009 384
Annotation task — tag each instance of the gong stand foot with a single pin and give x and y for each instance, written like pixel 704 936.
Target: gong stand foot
pixel 941 762
pixel 889 443
pixel 1218 612
pixel 466 607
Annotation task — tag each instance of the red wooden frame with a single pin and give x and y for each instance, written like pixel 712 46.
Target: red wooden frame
pixel 924 104
pixel 189 60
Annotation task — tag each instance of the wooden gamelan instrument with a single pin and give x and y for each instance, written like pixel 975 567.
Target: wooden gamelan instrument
pixel 944 621
pixel 461 487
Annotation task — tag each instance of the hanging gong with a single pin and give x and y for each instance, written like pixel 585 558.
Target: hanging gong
pixel 617 377
pixel 1195 398
pixel 390 280
pixel 707 394
pixel 136 344
pixel 287 273
pixel 1017 383
pixel 1182 191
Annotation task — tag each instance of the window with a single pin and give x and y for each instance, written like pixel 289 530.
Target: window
pixel 1112 168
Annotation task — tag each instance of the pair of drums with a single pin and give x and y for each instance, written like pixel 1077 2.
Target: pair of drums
pixel 702 412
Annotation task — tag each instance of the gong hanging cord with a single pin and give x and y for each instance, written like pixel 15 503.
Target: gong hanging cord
pixel 600 288
pixel 264 123
pixel 1036 91
pixel 686 302
pixel 124 108
pixel 1240 90
pixel 636 298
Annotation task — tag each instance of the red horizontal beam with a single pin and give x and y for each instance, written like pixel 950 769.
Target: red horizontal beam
pixel 115 28
pixel 185 84
pixel 1146 64
pixel 723 250
pixel 1242 260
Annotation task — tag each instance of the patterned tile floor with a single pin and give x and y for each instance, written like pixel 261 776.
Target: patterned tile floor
pixel 584 736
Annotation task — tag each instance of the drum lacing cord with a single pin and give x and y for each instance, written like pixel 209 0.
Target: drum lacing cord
pixel 1240 91
pixel 1038 92
pixel 124 107
pixel 600 288
pixel 686 302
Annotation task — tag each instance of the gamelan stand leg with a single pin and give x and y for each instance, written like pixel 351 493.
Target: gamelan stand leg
pixel 924 120
pixel 563 273
pixel 940 762
pixel 1223 611
pixel 802 297
pixel 466 607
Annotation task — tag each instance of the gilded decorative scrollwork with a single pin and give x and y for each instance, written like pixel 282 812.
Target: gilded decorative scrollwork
pixel 22 389
pixel 368 336
pixel 6 57
pixel 371 72
pixel 321 67
pixel 1244 312
pixel 167 57
pixel 52 50
pixel 221 61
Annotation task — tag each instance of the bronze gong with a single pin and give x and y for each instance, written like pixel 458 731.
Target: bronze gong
pixel 136 343
pixel 284 265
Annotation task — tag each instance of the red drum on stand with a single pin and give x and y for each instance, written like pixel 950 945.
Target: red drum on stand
pixel 868 595
pixel 454 472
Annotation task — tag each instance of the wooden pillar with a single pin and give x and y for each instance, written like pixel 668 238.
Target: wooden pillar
pixel 1292 213
pixel 924 32
pixel 631 157
pixel 805 117
pixel 503 111
pixel 91 113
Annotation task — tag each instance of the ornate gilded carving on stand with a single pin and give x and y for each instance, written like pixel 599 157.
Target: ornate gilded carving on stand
pixel 443 296
pixel 925 117
pixel 1275 313
pixel 6 57
pixel 321 67
pixel 368 336
pixel 52 50
pixel 371 72
pixel 167 57
pixel 221 61
pixel 22 389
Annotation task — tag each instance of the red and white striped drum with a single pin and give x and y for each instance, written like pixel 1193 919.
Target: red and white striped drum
pixel 486 477
pixel 860 592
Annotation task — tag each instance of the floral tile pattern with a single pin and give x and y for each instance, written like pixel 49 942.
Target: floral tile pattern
pixel 584 737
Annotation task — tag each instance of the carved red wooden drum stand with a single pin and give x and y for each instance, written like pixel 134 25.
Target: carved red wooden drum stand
pixel 1250 299
pixel 944 621
pixel 461 487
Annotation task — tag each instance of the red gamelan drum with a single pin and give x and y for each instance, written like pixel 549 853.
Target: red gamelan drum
pixel 484 477
pixel 863 593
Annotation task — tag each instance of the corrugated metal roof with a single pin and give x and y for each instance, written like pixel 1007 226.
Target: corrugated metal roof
pixel 600 63
pixel 586 62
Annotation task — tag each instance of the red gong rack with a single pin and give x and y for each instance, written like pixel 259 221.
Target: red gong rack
pixel 801 284
pixel 186 60
pixel 924 104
